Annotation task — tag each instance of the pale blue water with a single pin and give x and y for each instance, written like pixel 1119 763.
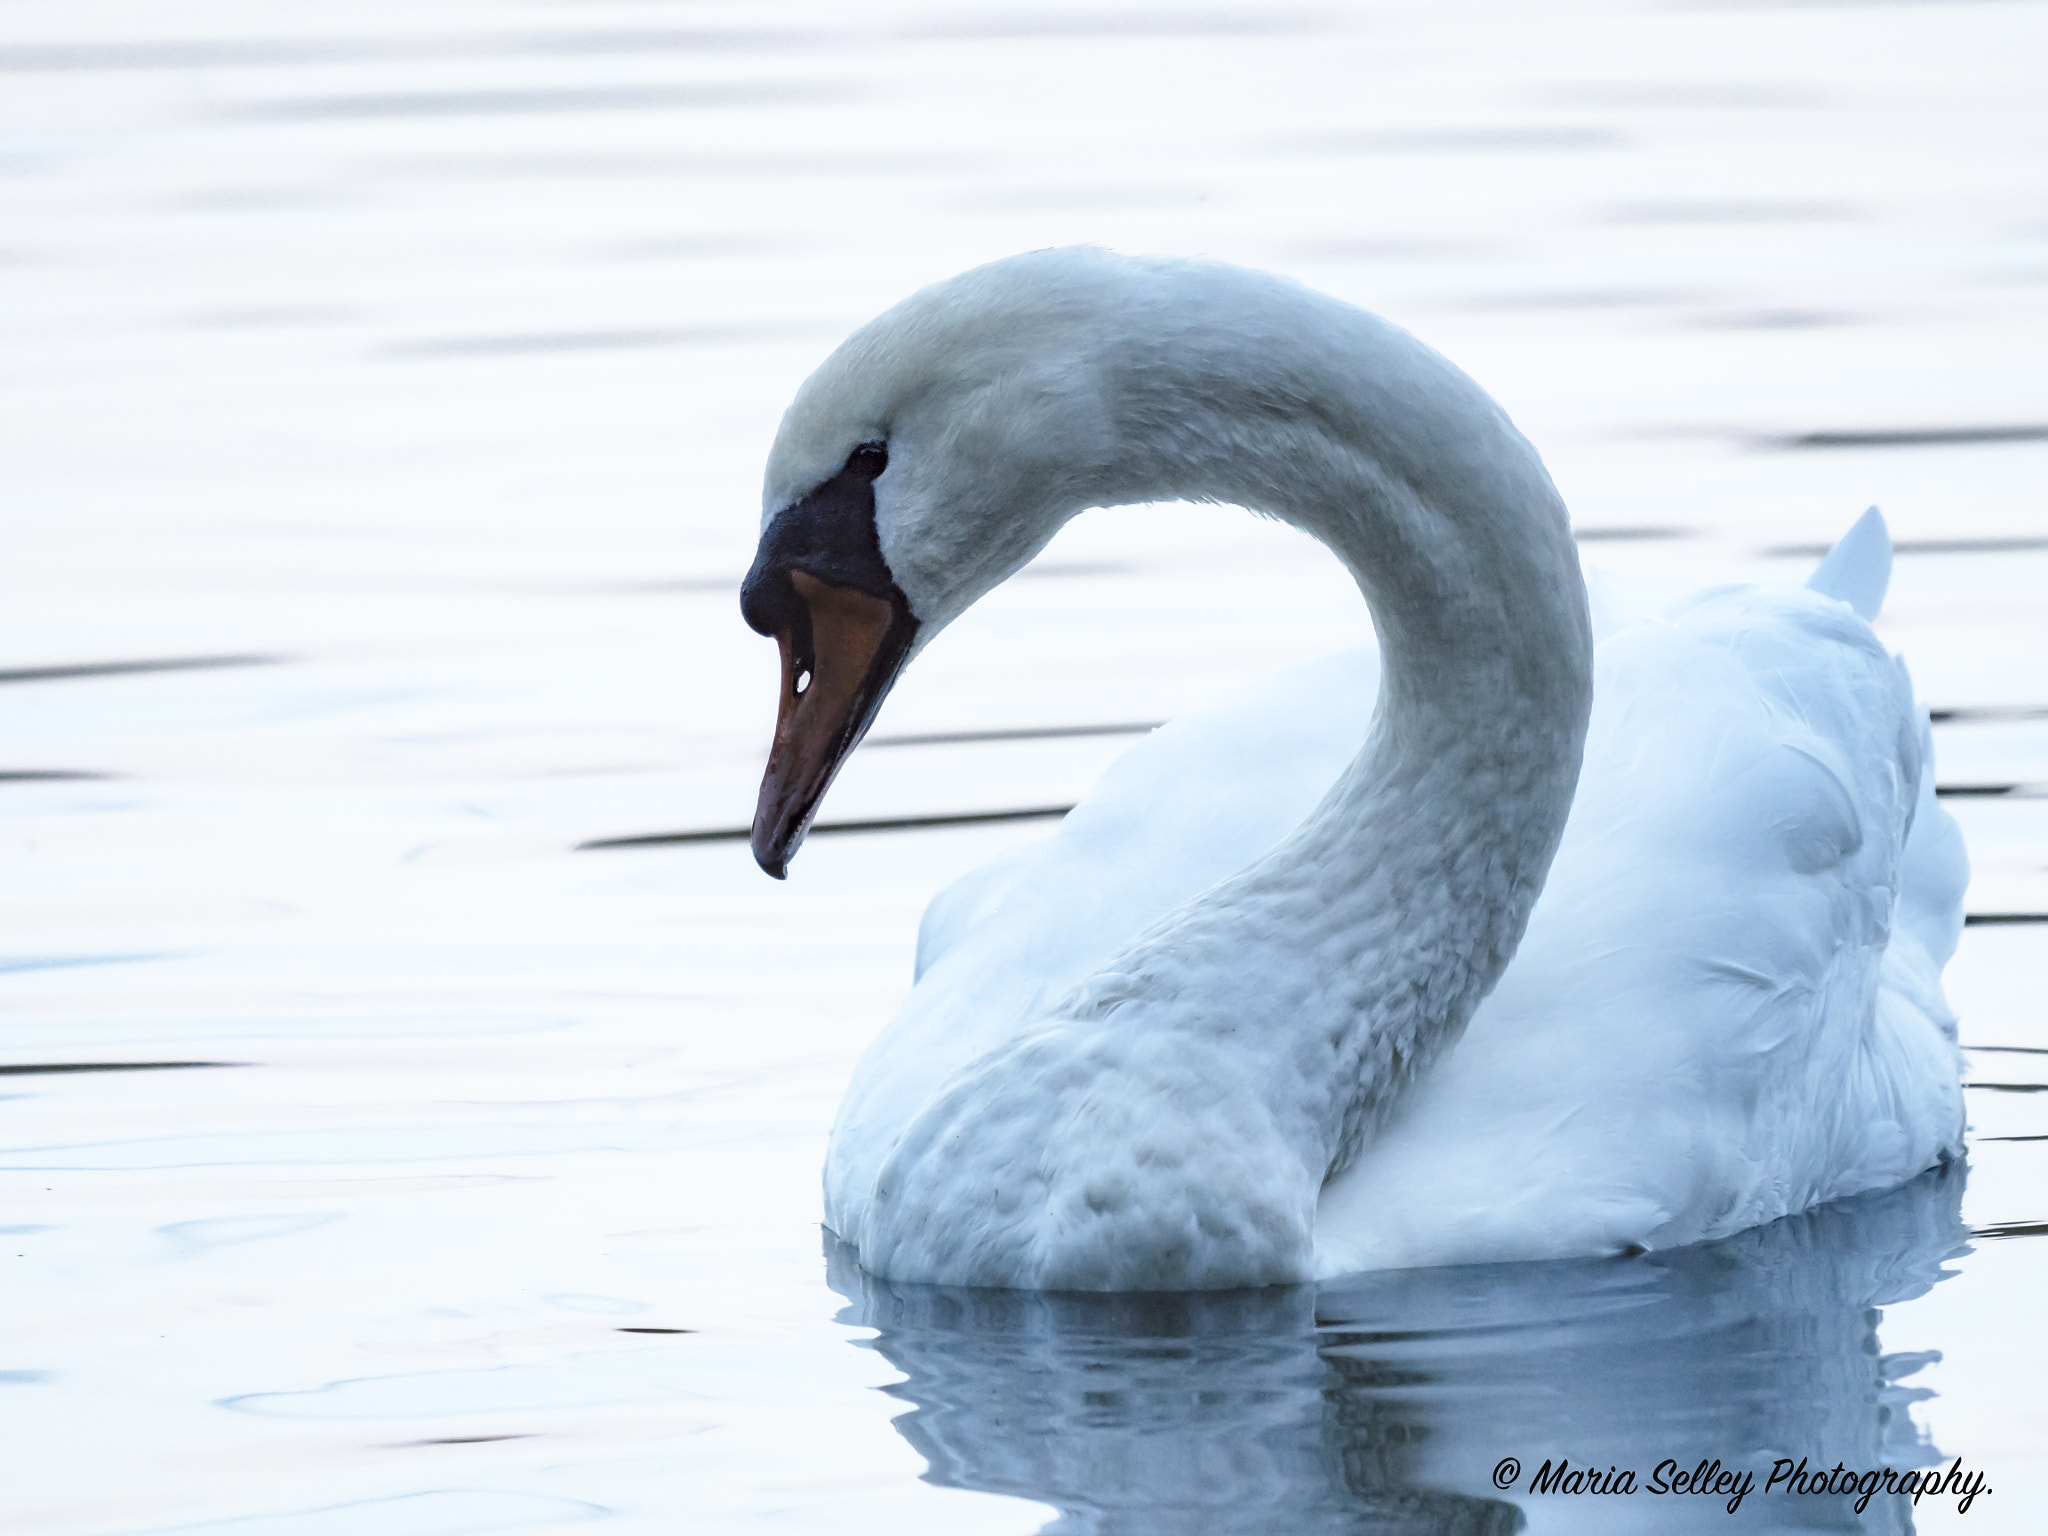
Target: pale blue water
pixel 392 383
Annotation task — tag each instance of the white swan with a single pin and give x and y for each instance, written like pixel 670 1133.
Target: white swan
pixel 1203 1037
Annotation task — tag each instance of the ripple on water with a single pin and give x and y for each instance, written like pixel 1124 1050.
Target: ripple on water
pixel 1385 1401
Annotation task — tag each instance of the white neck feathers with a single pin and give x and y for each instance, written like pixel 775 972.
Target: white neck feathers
pixel 1404 895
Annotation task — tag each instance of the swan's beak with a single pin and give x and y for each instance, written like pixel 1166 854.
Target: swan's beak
pixel 839 657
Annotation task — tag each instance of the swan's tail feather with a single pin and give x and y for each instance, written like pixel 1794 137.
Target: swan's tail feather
pixel 1859 568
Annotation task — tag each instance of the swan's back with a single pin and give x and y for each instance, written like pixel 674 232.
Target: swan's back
pixel 1723 1011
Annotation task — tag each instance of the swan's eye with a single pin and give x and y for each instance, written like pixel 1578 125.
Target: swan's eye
pixel 803 680
pixel 868 460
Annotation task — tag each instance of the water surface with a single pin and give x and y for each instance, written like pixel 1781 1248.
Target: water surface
pixel 383 404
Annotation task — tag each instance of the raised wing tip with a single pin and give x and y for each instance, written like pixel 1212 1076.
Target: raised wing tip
pixel 1859 568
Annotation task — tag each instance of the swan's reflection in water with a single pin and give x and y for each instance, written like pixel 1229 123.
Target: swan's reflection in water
pixel 1384 1403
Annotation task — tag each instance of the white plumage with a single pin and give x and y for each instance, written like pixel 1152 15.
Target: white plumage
pixel 1249 1016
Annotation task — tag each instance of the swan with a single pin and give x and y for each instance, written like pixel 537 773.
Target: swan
pixel 1249 1017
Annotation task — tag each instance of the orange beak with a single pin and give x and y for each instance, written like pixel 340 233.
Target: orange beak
pixel 836 670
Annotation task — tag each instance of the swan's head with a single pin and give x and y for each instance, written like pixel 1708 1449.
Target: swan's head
pixel 931 455
pixel 942 445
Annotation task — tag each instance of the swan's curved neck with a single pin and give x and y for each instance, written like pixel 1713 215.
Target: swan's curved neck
pixel 1170 1122
pixel 1394 908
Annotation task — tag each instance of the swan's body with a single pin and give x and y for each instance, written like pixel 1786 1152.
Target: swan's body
pixel 1717 1015
pixel 1209 1034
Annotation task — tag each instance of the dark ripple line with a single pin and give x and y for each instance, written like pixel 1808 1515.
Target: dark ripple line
pixel 1998 545
pixel 1017 733
pixel 1982 919
pixel 1915 437
pixel 1966 713
pixel 116 668
pixel 2012 1229
pixel 35 1069
pixel 877 824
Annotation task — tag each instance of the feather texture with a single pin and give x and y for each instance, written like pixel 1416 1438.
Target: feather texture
pixel 1250 1016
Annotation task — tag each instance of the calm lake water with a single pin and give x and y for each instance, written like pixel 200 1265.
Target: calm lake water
pixel 381 414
